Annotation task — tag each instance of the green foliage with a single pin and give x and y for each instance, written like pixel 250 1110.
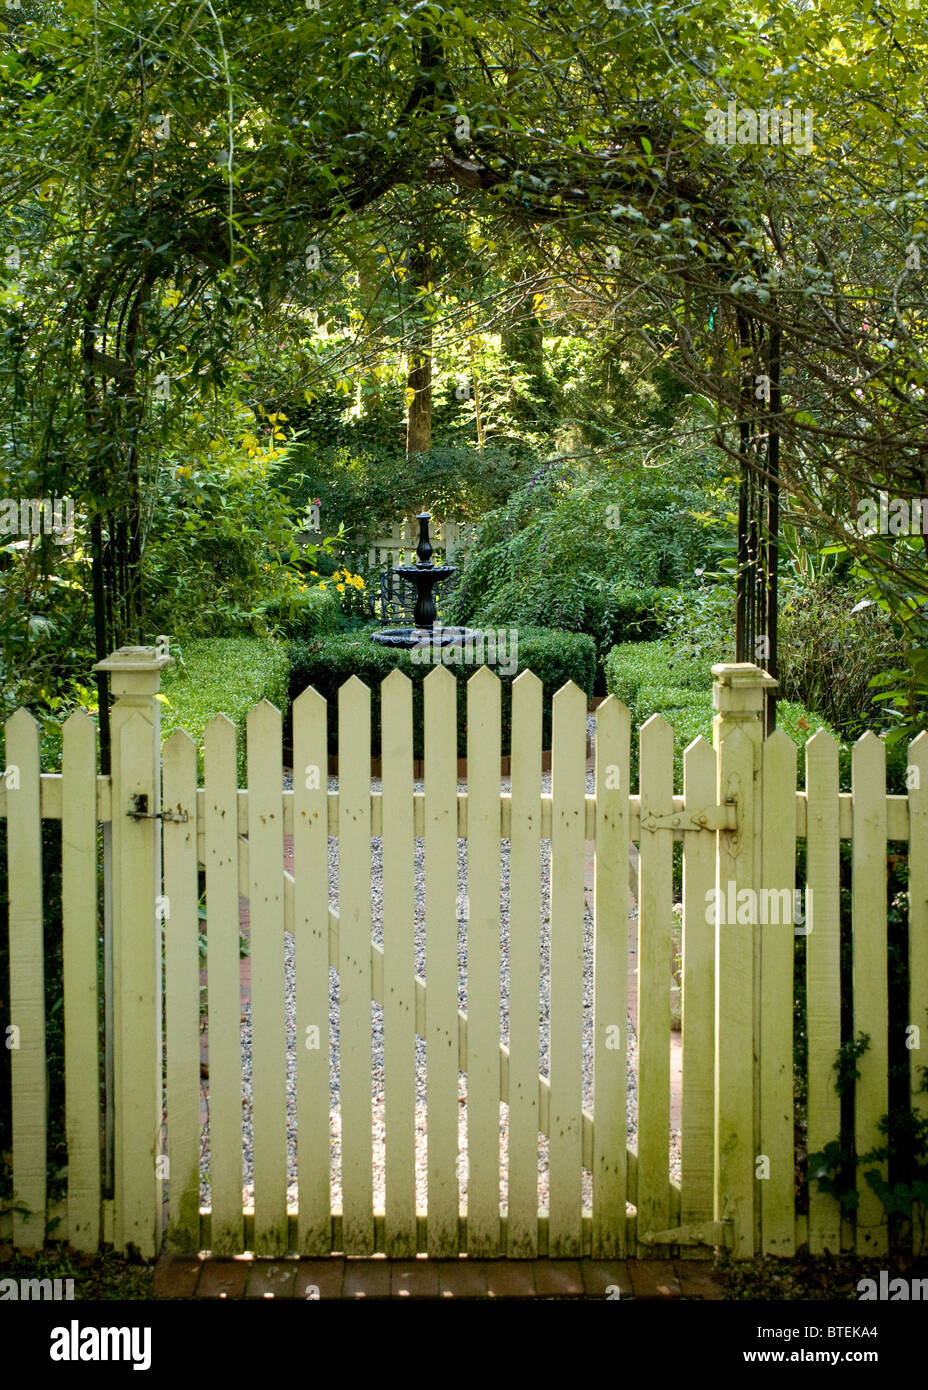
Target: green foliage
pixel 890 586
pixel 650 678
pixel 906 1147
pixel 99 1277
pixel 368 486
pixel 590 552
pixel 632 664
pixel 302 612
pixel 223 675
pixel 186 250
pixel 221 557
pixel 905 1150
pixel 829 651
pixel 700 626
pixel 613 614
pixel 555 657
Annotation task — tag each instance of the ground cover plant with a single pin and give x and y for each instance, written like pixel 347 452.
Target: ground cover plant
pixel 225 675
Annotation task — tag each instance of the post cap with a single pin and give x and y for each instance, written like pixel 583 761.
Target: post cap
pixel 135 659
pixel 738 692
pixel 737 674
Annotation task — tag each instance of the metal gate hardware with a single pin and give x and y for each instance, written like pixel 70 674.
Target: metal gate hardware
pixel 140 810
pixel 722 817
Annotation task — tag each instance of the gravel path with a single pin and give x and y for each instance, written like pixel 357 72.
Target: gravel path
pixel 378 1039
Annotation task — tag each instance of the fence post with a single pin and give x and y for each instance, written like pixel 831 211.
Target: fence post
pixel 738 734
pixel 135 675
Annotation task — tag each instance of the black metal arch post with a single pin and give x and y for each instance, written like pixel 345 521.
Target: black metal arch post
pixel 758 506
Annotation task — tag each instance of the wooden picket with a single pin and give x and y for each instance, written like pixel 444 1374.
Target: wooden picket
pixel 823 976
pixel 399 1011
pixel 734 1166
pixel 655 896
pixel 80 952
pixel 178 910
pixel 483 962
pixel 354 1001
pixel 698 1004
pixel 137 987
pixel 740 819
pixel 524 965
pixel 610 971
pixel 227 1234
pixel 26 1029
pixel 266 927
pixel 568 791
pixel 311 952
pixel 776 1209
pixel 917 780
pixel 441 959
pixel 870 982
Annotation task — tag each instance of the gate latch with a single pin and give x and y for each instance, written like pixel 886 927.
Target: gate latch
pixel 140 811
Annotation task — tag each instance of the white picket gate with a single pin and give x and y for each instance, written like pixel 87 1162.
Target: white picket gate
pixel 739 817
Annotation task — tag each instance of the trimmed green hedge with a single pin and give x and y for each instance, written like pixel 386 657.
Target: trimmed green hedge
pixel 223 675
pixel 643 676
pixel 555 657
pixel 635 664
pixel 624 615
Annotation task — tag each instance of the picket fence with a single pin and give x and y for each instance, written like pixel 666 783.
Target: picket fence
pixel 398 545
pixel 739 818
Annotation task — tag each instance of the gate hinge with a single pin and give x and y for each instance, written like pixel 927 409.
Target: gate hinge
pixel 705 1233
pixel 140 811
pixel 724 817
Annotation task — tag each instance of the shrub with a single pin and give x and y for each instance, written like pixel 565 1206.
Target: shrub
pixel 633 664
pixel 640 674
pixel 590 551
pixel 829 653
pixel 555 657
pixel 619 614
pixel 700 625
pixel 223 675
pixel 307 614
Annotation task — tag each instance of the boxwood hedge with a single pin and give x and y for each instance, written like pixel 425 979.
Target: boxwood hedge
pixel 325 664
pixel 644 676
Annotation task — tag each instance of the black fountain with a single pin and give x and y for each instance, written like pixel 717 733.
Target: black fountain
pixel 424 575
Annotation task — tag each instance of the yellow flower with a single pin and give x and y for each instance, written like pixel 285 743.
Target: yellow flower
pixel 340 588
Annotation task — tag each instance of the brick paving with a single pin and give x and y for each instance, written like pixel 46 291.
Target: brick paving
pixel 186 1277
pixel 653 1279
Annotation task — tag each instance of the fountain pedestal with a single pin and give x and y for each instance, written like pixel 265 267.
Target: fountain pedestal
pixel 424 576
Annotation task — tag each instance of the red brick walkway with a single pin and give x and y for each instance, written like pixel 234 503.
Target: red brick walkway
pixel 186 1277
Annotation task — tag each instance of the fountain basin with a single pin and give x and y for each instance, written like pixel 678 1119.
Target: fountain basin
pixel 409 637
